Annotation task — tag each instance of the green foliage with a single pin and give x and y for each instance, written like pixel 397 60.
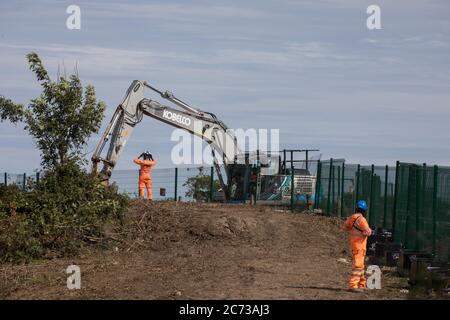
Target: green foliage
pixel 68 207
pixel 199 186
pixel 66 210
pixel 61 119
pixel 10 110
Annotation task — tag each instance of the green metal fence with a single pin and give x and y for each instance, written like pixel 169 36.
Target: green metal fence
pixel 413 200
pixel 167 183
pixel 19 179
pixel 422 208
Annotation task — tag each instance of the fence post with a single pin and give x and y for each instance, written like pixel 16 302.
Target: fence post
pixel 292 188
pixel 342 190
pixel 24 181
pixel 435 189
pixel 386 177
pixel 329 187
pixel 339 194
pixel 6 179
pixel 371 216
pixel 423 191
pixel 408 207
pixel 318 178
pixel 394 207
pixel 246 182
pixel 211 186
pixel 37 177
pixel 417 227
pixel 357 184
pixel 176 184
pixel 333 187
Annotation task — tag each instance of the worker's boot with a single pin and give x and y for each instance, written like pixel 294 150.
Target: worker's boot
pixel 362 283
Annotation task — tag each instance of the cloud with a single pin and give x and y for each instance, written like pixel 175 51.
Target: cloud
pixel 371 41
pixel 173 11
pixel 290 55
pixel 425 41
pixel 90 57
pixel 213 65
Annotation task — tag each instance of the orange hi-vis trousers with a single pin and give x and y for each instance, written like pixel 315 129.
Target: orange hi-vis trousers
pixel 145 180
pixel 359 230
pixel 358 277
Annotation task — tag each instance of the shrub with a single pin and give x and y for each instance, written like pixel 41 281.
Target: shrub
pixel 66 210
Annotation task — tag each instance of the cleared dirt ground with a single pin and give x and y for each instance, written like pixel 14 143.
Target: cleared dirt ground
pixel 167 250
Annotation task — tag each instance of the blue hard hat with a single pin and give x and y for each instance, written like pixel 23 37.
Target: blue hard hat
pixel 361 204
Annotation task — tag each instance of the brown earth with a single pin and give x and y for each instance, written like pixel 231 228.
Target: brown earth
pixel 167 250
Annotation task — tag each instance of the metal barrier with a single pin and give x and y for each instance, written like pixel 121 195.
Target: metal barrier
pixel 412 200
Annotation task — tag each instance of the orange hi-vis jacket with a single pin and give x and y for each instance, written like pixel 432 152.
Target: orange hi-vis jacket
pixel 146 167
pixel 359 230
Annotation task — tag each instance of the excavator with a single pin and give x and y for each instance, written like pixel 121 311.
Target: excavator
pixel 200 123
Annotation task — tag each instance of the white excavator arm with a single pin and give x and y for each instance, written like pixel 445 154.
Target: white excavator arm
pixel 131 111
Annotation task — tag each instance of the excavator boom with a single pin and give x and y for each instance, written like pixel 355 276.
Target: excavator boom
pixel 130 113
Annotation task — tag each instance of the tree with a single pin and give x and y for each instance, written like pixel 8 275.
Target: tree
pixel 68 206
pixel 61 119
pixel 199 186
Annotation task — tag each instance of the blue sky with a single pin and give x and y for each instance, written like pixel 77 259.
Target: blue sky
pixel 310 68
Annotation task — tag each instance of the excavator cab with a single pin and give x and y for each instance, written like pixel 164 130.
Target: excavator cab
pixel 244 175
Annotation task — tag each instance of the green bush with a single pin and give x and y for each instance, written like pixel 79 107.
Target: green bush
pixel 198 187
pixel 67 209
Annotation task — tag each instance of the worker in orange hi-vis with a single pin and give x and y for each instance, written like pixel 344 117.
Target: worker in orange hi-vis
pixel 145 179
pixel 359 230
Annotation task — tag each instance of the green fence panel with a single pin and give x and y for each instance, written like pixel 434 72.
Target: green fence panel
pixel 329 187
pixel 443 215
pixel 424 225
pixel 422 210
pixel 381 197
pixel 349 189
